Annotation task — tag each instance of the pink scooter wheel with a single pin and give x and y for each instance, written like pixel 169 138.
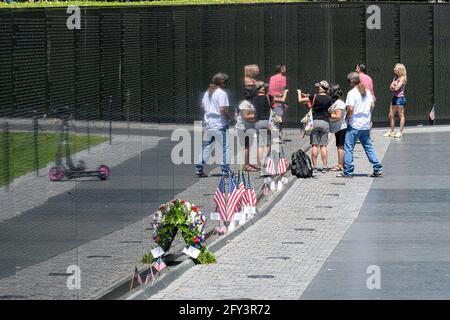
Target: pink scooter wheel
pixel 103 172
pixel 56 173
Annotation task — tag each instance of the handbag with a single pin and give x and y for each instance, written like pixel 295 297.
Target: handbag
pixel 308 121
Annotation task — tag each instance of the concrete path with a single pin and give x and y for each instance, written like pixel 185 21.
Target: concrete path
pixel 278 257
pixel 402 234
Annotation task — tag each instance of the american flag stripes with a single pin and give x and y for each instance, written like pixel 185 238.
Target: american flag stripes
pixel 149 276
pixel 270 165
pixel 245 200
pixel 432 115
pixel 233 197
pixel 251 195
pixel 220 199
pixel 241 188
pixel 137 276
pixel 282 163
pixel 159 264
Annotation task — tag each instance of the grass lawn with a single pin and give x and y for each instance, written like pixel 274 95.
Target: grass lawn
pixel 21 153
pixel 91 3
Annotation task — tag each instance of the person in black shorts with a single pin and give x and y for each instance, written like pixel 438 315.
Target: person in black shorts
pixel 338 126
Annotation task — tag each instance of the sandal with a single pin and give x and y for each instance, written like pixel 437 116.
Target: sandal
pixel 250 168
pixel 336 168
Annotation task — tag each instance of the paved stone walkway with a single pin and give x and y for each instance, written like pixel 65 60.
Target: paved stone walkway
pixel 398 247
pixel 279 256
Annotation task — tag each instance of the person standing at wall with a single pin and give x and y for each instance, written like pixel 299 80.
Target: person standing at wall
pixel 246 120
pixel 365 79
pixel 278 91
pixel 359 104
pixel 251 73
pixel 215 105
pixel 320 103
pixel 338 126
pixel 263 106
pixel 398 103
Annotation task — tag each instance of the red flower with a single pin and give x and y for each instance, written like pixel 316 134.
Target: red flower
pixel 196 240
pixel 174 201
pixel 195 209
pixel 162 208
pixel 183 201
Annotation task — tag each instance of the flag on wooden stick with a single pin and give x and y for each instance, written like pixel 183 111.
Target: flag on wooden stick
pixel 432 116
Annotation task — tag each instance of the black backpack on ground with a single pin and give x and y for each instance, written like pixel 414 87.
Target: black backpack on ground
pixel 301 165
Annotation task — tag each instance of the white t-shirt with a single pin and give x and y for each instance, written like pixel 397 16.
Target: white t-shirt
pixel 240 122
pixel 213 119
pixel 338 125
pixel 361 117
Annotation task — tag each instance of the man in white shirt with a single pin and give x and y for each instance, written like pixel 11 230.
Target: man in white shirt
pixel 215 104
pixel 359 112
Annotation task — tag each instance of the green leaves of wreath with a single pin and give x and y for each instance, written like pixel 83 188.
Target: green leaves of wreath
pixel 180 215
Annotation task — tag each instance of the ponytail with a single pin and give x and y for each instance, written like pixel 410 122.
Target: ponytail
pixel 362 89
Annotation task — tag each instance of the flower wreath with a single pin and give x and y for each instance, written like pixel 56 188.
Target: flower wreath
pixel 181 215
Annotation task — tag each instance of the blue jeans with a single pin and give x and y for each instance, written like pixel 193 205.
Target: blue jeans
pixel 350 140
pixel 205 154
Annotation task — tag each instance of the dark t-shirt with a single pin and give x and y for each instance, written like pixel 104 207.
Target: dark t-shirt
pixel 320 107
pixel 262 106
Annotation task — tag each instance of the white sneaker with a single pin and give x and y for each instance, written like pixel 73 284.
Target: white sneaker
pixel 398 135
pixel 389 134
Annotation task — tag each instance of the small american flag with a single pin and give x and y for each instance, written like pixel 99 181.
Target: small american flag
pixel 432 115
pixel 233 197
pixel 220 199
pixel 137 276
pixel 270 165
pixel 159 264
pixel 251 195
pixel 282 163
pixel 149 275
pixel 241 188
pixel 245 199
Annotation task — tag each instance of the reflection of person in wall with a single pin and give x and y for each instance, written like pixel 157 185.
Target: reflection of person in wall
pixel 246 120
pixel 251 72
pixel 278 91
pixel 262 104
pixel 215 105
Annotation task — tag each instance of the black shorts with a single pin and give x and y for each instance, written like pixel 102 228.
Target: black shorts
pixel 340 137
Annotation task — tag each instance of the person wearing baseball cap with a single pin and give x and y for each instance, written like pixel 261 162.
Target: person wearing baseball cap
pixel 320 103
pixel 359 104
pixel 323 84
pixel 215 105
